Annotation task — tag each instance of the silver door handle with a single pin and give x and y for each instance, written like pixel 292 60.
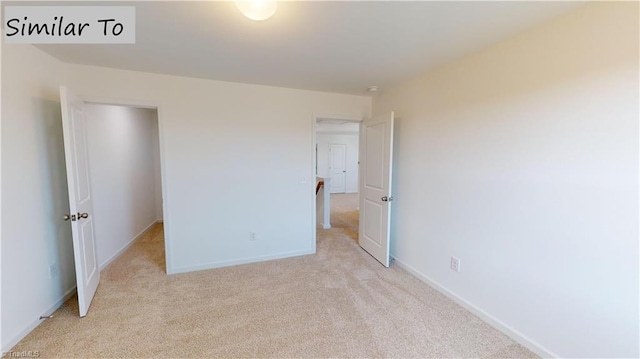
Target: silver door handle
pixel 387 199
pixel 83 215
pixel 67 217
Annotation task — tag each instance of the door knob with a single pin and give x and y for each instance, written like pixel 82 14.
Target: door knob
pixel 67 217
pixel 83 215
pixel 387 199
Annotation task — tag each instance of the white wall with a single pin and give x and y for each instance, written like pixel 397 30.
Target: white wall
pixel 122 154
pixel 234 156
pixel 522 161
pixel 34 192
pixel 324 140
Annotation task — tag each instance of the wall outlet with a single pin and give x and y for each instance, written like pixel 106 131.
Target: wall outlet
pixel 253 236
pixel 455 264
pixel 53 271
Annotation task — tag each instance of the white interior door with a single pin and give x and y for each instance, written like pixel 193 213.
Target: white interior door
pixel 80 201
pixel 376 144
pixel 338 168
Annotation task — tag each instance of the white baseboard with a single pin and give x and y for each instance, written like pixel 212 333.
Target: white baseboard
pixel 234 262
pixel 126 246
pixel 160 220
pixel 33 325
pixel 489 319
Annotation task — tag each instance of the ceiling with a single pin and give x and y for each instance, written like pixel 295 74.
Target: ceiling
pixel 327 46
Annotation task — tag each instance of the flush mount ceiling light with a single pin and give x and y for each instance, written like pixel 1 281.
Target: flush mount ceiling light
pixel 257 10
pixel 372 89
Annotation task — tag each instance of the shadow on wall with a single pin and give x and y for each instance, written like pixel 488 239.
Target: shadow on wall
pixel 396 169
pixel 59 240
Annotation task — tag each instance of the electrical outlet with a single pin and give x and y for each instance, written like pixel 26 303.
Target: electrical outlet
pixel 253 236
pixel 53 271
pixel 455 264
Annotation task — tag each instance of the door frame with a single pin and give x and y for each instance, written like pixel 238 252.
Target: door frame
pixel 312 184
pixel 166 216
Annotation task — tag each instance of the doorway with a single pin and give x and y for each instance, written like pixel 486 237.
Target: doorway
pixel 337 155
pixel 124 173
pixel 112 159
pixel 373 187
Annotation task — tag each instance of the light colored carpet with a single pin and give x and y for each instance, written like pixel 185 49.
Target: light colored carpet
pixel 344 213
pixel 337 303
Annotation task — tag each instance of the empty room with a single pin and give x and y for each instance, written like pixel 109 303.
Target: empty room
pixel 320 179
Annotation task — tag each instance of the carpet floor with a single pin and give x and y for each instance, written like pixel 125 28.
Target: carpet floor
pixel 344 215
pixel 338 303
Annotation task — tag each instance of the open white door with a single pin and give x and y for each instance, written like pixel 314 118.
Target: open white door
pixel 376 144
pixel 80 201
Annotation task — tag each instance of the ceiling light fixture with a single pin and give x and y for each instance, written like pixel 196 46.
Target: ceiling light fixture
pixel 257 10
pixel 372 88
